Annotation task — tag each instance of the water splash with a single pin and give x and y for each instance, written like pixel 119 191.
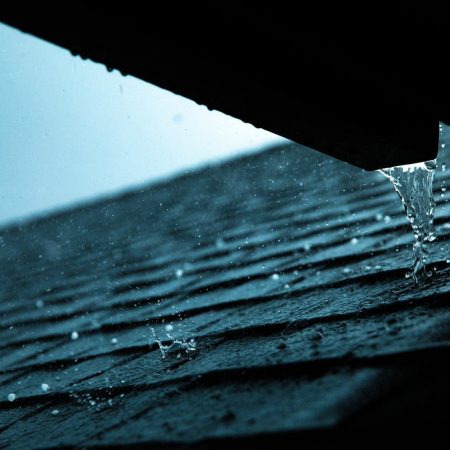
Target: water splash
pixel 174 345
pixel 414 184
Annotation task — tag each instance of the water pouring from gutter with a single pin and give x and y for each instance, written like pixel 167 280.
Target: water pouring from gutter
pixel 414 184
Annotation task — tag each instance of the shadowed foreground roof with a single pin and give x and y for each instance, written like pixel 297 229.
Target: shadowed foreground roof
pixel 284 269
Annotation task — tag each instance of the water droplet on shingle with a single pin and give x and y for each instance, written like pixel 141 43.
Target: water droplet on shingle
pixel 45 387
pixel 11 397
pixel 74 336
pixel 39 304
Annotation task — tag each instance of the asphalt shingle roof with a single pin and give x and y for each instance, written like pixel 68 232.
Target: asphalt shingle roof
pixel 274 284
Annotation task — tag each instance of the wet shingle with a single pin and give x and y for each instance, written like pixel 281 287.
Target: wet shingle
pixel 281 270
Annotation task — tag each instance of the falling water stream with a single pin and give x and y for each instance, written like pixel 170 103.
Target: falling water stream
pixel 414 185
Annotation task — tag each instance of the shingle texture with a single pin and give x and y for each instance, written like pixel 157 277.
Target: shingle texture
pixel 275 286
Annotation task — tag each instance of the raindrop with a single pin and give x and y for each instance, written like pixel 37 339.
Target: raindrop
pixel 74 336
pixel 39 304
pixel 45 387
pixel 11 397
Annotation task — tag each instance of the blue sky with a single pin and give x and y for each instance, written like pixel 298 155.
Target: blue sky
pixel 70 130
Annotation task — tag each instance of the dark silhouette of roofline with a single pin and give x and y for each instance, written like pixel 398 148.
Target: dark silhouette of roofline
pixel 362 86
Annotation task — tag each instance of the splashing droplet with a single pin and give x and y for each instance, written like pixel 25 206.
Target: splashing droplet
pixel 174 345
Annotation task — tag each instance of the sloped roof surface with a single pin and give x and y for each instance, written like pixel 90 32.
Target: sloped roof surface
pixel 280 277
